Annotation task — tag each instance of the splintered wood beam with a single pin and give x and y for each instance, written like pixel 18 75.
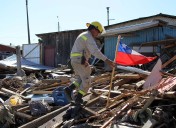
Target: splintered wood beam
pixel 90 111
pixel 4 94
pixel 23 109
pixel 92 101
pixel 116 115
pixel 169 61
pixel 102 80
pixel 24 90
pixel 167 74
pixel 105 90
pixel 111 105
pixel 116 83
pixel 170 45
pixel 52 85
pixel 12 93
pixel 127 76
pixel 121 82
pixel 54 122
pixel 100 77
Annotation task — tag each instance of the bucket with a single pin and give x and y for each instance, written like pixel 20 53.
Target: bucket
pixel 59 96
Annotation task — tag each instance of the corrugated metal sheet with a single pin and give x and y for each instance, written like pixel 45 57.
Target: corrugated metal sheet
pixel 110 47
pixel 171 20
pixel 131 28
pixel 25 64
pixel 32 52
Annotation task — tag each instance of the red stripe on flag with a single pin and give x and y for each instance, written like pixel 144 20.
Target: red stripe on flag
pixel 131 59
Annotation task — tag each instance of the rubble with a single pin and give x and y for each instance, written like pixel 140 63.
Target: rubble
pixel 138 98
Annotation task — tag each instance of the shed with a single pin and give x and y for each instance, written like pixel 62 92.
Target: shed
pixel 56 46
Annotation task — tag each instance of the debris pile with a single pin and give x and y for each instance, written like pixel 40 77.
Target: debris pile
pixel 137 99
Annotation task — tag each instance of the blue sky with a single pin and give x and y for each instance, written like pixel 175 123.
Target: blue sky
pixel 72 14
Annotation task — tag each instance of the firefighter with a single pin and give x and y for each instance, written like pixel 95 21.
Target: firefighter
pixel 85 46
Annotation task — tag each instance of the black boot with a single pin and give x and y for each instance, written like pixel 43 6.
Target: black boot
pixel 78 99
pixel 68 91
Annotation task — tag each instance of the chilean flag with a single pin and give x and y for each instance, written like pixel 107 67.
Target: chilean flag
pixel 128 57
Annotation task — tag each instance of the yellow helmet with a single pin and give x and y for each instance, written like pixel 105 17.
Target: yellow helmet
pixel 97 25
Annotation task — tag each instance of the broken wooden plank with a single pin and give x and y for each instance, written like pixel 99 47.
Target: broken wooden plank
pixel 95 78
pixel 54 122
pixel 23 109
pixel 112 91
pixel 127 76
pixel 52 85
pixel 4 94
pixel 12 93
pixel 117 114
pixel 170 94
pixel 169 61
pixel 170 45
pixel 24 90
pixel 111 105
pixel 120 82
pixel 167 74
pixel 90 111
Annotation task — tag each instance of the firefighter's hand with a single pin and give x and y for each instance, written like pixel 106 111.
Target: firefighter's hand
pixel 86 63
pixel 110 63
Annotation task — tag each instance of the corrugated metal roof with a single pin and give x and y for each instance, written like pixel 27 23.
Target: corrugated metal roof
pixel 164 17
pixel 131 28
pixel 12 62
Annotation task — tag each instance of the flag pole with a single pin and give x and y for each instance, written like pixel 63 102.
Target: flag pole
pixel 113 70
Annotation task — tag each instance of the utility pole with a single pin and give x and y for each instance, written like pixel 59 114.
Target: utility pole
pixel 29 41
pixel 108 15
pixel 58 24
pixel 18 55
